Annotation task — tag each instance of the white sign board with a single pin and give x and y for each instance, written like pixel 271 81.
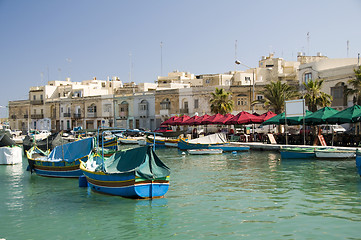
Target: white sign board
pixel 295 108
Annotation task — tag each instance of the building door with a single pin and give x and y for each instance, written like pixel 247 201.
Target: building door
pixel 137 124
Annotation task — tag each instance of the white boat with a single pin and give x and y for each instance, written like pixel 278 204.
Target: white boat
pixel 333 153
pixel 11 155
pixel 9 152
pixel 204 151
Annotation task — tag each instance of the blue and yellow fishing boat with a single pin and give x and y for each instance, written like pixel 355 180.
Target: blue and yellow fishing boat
pixel 132 173
pixel 63 161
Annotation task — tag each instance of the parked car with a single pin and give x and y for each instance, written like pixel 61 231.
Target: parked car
pixel 327 129
pixel 163 129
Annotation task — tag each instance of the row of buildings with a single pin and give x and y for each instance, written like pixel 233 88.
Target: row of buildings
pixel 64 105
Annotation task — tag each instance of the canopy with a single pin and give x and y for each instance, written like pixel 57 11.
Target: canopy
pixel 274 120
pixel 268 115
pixel 73 151
pixel 294 120
pixel 244 118
pixel 191 121
pixel 180 120
pixel 142 160
pixel 216 138
pixel 320 116
pixel 170 121
pixel 201 119
pixel 224 119
pixel 213 119
pixel 348 115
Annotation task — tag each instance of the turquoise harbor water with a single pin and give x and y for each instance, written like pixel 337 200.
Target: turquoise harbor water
pixel 244 196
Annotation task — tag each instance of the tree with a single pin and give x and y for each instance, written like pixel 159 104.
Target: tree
pixel 275 94
pixel 314 97
pixel 356 87
pixel 221 102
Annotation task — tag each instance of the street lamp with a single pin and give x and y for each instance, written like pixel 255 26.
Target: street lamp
pixel 240 63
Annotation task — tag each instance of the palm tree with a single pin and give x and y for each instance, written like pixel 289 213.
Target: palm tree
pixel 275 95
pixel 221 102
pixel 356 84
pixel 314 97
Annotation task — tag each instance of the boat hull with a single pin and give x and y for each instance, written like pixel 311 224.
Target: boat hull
pixel 183 145
pixel 10 155
pixel 126 184
pixel 297 154
pixel 325 154
pixel 59 169
pixel 204 151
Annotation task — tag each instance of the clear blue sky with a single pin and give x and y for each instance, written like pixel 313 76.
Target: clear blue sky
pixel 45 40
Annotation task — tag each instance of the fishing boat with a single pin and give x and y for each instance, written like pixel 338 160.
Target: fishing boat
pixel 132 173
pixel 213 141
pixel 128 140
pixel 297 153
pixel 204 151
pixel 63 161
pixel 109 143
pixel 162 142
pixel 10 153
pixel 334 154
pixel 358 162
pixel 49 142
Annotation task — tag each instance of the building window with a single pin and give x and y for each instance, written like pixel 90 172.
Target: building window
pixel 165 104
pixel 308 76
pixel 207 81
pixel 41 97
pixel 34 97
pixel 196 103
pixel 143 105
pixel 247 79
pixel 103 84
pixel 259 97
pixel 92 109
pixel 242 101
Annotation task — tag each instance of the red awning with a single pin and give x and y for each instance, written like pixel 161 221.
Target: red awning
pixel 267 115
pixel 225 118
pixel 244 118
pixel 170 121
pixel 213 119
pixel 191 121
pixel 181 119
pixel 200 120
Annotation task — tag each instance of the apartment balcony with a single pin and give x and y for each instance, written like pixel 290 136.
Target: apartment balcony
pixel 143 113
pixel 164 112
pixel 77 115
pixel 123 115
pixel 37 116
pixel 91 114
pixel 37 102
pixel 184 110
pixel 66 114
